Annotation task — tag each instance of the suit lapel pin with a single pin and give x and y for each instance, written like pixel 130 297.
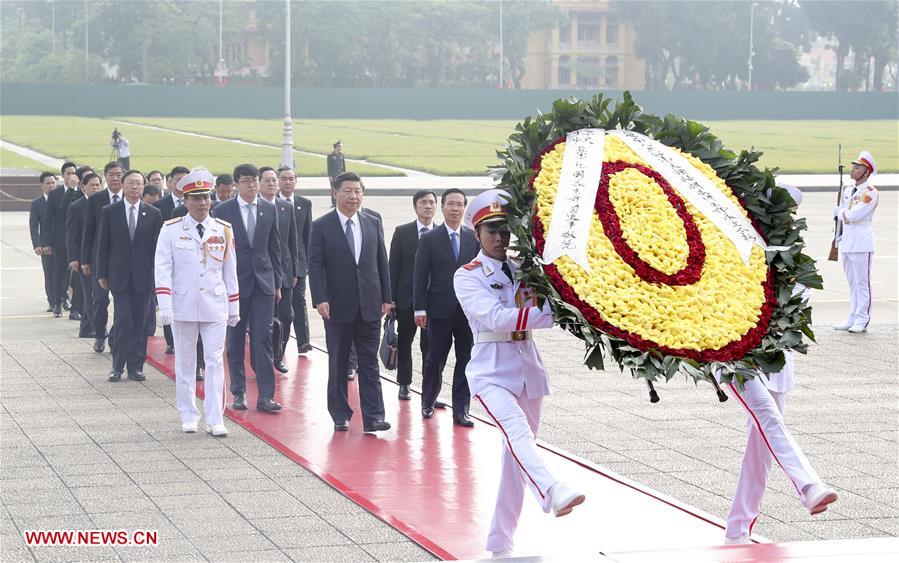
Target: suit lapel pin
pixel 144 213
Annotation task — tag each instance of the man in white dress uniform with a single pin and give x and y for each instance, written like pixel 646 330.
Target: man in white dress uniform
pixel 197 291
pixel 505 373
pixel 855 239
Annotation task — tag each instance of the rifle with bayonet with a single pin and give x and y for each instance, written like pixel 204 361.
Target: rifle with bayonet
pixel 834 254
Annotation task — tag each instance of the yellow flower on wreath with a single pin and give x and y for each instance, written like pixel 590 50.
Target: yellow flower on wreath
pixel 718 309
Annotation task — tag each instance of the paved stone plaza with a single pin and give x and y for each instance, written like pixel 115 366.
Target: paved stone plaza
pixel 78 453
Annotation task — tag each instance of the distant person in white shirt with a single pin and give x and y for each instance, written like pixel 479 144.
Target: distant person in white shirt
pixel 122 149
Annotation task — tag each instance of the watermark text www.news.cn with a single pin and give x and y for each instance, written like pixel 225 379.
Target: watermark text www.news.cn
pixel 91 537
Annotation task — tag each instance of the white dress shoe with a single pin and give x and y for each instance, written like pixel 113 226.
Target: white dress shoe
pixel 740 540
pixel 564 499
pixel 189 427
pixel 503 554
pixel 843 326
pixel 218 430
pixel 855 329
pixel 817 497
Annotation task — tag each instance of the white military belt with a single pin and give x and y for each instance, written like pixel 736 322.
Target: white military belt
pixel 514 336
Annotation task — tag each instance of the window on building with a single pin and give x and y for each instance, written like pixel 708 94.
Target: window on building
pixel 612 30
pixel 565 37
pixel 588 30
pixel 564 70
pixel 588 72
pixel 611 71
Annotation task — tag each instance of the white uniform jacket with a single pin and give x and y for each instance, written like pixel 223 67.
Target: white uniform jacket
pixel 494 304
pixel 196 277
pixel 855 213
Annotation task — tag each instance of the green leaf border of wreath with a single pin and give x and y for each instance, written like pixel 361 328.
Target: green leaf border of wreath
pixel 791 317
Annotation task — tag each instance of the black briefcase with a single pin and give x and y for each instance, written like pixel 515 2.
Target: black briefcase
pixel 277 339
pixel 388 342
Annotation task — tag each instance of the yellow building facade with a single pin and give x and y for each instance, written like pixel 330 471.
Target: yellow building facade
pixel 591 49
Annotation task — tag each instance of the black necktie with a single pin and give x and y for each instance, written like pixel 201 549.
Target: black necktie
pixel 115 198
pixel 507 271
pixel 200 229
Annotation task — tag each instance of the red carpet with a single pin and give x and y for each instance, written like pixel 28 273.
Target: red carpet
pixel 437 483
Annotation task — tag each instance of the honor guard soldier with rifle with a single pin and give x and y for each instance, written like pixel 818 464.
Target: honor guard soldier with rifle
pixel 197 291
pixel 505 373
pixel 855 239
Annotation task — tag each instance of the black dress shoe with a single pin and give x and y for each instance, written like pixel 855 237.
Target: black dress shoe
pixel 170 350
pixel 240 402
pixel 440 405
pixel 136 376
pixel 343 426
pixel 65 304
pixel 200 374
pixel 462 420
pixel 99 345
pixel 303 349
pixel 377 426
pixel 50 308
pixel 115 376
pixel 281 366
pixel 427 412
pixel 267 405
pixel 351 375
pixel 57 311
pixel 74 316
pixel 404 395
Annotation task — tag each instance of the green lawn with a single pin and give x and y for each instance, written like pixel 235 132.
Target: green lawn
pixel 447 147
pixel 86 141
pixel 9 159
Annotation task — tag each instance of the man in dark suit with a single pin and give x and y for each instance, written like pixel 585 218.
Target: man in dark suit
pixel 126 251
pixel 39 227
pixel 287 181
pixel 402 262
pixel 287 229
pixel 112 173
pixel 440 253
pixel 58 201
pixel 166 206
pixel 75 216
pixel 336 165
pixel 350 281
pixel 258 247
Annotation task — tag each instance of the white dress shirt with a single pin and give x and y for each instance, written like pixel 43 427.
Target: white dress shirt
pixel 244 207
pixel 136 207
pixel 357 232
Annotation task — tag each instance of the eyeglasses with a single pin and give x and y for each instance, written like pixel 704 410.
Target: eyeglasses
pixel 248 181
pixel 454 204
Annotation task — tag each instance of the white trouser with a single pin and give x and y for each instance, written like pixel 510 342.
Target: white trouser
pixel 771 435
pixel 185 336
pixel 857 267
pixel 753 477
pixel 517 418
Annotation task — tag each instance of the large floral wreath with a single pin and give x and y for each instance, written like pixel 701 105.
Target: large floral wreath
pixel 666 291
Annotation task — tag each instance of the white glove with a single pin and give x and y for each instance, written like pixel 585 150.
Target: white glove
pixel 836 211
pixel 166 316
pixel 233 320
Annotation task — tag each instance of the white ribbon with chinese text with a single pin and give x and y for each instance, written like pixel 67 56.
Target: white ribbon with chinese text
pixel 699 190
pixel 569 227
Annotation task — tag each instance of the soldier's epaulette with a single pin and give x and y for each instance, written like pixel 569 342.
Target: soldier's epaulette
pixel 175 220
pixel 472 265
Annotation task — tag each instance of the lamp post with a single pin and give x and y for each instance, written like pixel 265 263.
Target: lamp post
pixel 500 44
pixel 287 142
pixel 752 8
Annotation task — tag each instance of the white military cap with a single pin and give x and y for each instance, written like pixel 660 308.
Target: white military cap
pixel 866 160
pixel 488 207
pixel 794 192
pixel 198 181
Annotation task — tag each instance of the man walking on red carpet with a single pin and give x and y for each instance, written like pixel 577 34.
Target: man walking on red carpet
pixel 505 373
